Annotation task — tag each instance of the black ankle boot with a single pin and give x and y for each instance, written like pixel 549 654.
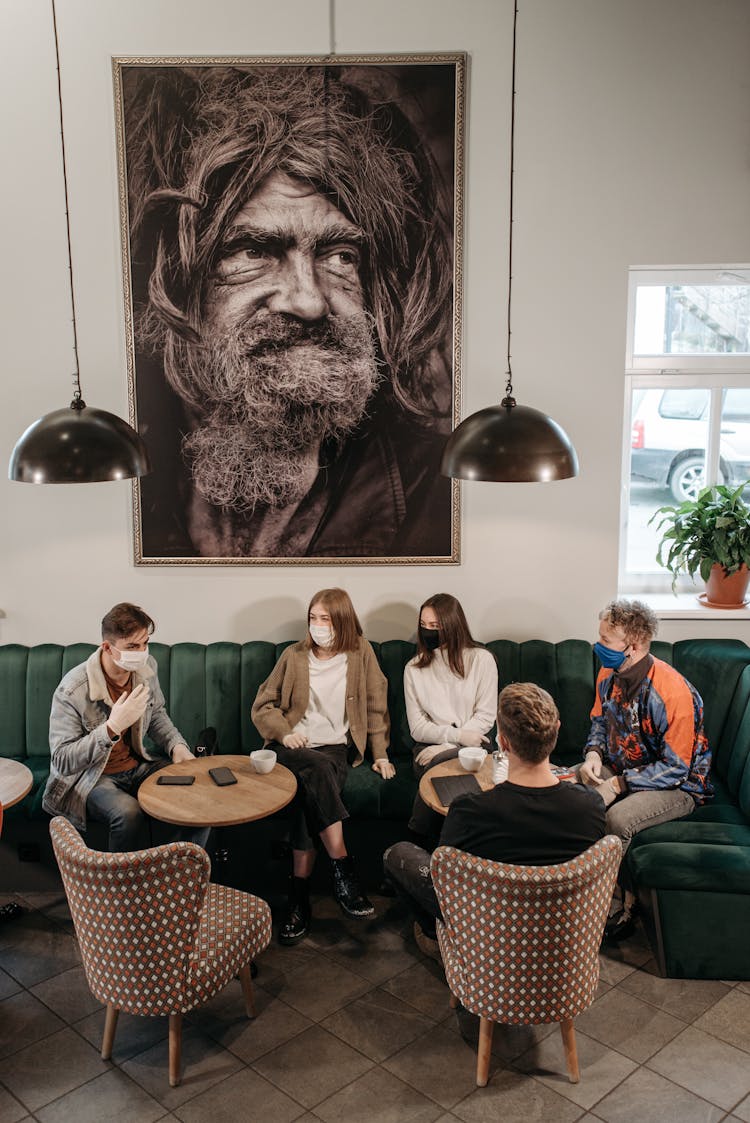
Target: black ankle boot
pixel 347 890
pixel 296 922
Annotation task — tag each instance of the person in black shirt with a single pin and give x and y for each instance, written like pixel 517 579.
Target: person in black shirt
pixel 533 819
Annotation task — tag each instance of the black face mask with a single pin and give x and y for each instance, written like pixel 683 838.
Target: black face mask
pixel 430 637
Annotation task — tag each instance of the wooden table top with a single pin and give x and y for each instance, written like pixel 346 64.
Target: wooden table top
pixel 204 804
pixel 15 781
pixel 453 768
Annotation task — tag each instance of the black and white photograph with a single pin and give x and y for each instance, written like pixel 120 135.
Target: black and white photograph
pixel 291 233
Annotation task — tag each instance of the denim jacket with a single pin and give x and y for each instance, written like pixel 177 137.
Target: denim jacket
pixel 79 742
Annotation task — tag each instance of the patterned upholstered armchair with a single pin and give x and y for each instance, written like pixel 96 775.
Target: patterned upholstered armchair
pixel 155 937
pixel 520 944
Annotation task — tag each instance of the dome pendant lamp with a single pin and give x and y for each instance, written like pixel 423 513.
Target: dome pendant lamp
pixel 509 443
pixel 78 444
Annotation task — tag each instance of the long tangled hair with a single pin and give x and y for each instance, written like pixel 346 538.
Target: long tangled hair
pixel 199 140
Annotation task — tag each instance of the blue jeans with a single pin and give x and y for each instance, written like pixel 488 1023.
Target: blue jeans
pixel 113 801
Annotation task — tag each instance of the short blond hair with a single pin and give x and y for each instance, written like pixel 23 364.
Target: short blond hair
pixel 528 717
pixel 638 622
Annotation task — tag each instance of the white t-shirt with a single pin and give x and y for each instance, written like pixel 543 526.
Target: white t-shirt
pixel 325 721
pixel 438 702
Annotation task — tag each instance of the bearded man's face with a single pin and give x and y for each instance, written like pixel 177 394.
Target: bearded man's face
pixel 286 357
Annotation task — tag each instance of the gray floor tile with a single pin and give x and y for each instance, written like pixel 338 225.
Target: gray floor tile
pixel 651 1098
pixel 204 1063
pixel 729 1019
pixel 378 1024
pixel 13 931
pixel 48 1069
pixel 225 1020
pixel 376 965
pixel 111 1096
pixel 683 998
pixel 511 1097
pixel 8 985
pixel 613 971
pixel 133 1034
pixel 712 1069
pixel 602 1069
pixel 312 1066
pixel 440 1064
pixel 246 1095
pixel 742 1110
pixel 422 986
pixel 277 958
pixel 53 904
pixel 24 1020
pixel 633 952
pixel 744 986
pixel 68 995
pixel 43 949
pixel 508 1041
pixel 11 1111
pixel 317 993
pixel 628 1025
pixel 378 1097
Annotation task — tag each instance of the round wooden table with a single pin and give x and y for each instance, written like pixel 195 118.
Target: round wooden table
pixel 453 768
pixel 15 781
pixel 204 804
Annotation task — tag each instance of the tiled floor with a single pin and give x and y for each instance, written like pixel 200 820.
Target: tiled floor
pixel 355 1025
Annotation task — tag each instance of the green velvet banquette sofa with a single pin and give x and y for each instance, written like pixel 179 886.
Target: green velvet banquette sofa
pixel 692 875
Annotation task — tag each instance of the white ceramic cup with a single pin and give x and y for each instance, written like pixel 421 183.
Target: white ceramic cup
pixel 472 759
pixel 263 760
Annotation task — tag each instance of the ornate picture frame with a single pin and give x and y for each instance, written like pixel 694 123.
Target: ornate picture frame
pixel 292 269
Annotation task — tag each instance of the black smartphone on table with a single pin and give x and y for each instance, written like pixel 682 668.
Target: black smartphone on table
pixel 222 776
pixel 181 781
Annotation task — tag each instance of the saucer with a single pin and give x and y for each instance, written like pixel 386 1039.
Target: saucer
pixel 712 604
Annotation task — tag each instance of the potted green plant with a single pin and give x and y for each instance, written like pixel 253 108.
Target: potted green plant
pixel 709 535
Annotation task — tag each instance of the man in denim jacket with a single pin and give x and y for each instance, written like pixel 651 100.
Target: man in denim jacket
pixel 100 713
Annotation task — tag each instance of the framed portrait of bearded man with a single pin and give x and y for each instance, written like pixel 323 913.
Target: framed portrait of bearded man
pixel 291 232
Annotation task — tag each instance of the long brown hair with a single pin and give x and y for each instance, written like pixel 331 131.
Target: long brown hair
pixel 454 633
pixel 344 620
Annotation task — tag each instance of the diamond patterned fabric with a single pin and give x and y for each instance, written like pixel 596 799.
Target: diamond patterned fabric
pixel 155 936
pixel 520 944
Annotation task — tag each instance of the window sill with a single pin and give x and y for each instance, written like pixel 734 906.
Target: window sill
pixel 686 606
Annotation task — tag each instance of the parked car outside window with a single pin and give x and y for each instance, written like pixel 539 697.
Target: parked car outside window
pixel 669 435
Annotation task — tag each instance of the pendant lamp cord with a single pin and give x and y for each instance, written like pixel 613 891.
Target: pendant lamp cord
pixel 78 402
pixel 332 26
pixel 509 401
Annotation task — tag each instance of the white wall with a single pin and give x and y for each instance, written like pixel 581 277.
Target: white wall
pixel 633 147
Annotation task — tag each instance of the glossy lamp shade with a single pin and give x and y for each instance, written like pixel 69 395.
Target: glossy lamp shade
pixel 509 443
pixel 78 445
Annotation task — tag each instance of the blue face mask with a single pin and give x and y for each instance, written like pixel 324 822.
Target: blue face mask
pixel 608 657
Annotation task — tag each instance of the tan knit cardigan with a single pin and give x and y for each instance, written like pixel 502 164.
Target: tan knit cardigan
pixel 283 698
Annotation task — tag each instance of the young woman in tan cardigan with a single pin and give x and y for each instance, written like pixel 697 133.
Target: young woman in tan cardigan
pixel 322 706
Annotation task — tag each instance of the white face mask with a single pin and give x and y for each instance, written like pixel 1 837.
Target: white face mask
pixel 322 637
pixel 130 660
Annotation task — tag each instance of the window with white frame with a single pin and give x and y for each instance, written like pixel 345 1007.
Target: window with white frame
pixel 687 401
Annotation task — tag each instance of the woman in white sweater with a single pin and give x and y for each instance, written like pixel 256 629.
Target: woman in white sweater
pixel 450 687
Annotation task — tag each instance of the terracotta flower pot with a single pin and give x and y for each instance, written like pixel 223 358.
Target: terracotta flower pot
pixel 727 592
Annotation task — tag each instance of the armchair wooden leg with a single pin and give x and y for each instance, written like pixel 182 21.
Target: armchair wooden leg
pixel 571 1051
pixel 453 1001
pixel 246 982
pixel 484 1051
pixel 175 1049
pixel 110 1025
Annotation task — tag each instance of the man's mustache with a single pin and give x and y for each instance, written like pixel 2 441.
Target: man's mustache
pixel 279 331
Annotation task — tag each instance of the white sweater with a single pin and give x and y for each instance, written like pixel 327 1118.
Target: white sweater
pixel 325 721
pixel 439 702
